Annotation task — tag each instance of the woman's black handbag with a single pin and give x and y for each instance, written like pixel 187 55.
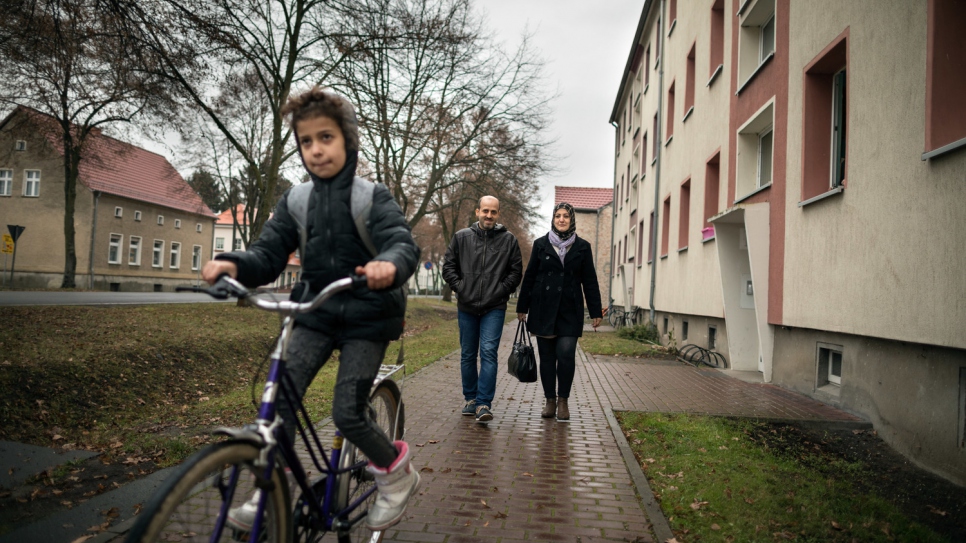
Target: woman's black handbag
pixel 523 362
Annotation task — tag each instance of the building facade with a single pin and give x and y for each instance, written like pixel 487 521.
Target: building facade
pixel 138 225
pixel 780 202
pixel 228 234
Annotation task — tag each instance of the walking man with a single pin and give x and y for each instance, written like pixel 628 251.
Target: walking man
pixel 483 266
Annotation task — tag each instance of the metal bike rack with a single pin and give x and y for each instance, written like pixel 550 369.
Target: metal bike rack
pixel 695 355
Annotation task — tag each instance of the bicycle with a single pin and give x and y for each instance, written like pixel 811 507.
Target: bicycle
pixel 193 504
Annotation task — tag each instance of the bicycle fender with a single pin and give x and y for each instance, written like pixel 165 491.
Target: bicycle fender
pixel 243 434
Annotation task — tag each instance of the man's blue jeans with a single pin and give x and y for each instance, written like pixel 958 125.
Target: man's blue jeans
pixel 480 334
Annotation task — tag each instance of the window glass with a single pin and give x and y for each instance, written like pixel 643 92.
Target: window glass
pixel 114 249
pixel 31 183
pixel 175 255
pixel 157 256
pixel 6 182
pixel 765 158
pixel 767 39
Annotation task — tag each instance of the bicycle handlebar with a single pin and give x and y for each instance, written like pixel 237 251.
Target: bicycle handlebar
pixel 226 287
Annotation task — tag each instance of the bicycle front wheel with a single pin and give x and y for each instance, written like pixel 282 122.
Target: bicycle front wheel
pixel 384 404
pixel 188 506
pixel 613 318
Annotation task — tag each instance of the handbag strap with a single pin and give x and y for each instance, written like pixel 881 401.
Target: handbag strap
pixel 517 336
pixel 526 335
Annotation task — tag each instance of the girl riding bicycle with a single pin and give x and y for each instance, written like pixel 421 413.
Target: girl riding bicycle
pixel 358 323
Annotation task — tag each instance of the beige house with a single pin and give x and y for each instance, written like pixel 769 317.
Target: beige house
pixel 139 226
pixel 789 181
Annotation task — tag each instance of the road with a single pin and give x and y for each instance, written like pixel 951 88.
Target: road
pixel 10 298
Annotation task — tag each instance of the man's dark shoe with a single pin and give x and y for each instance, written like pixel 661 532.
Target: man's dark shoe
pixel 483 414
pixel 469 408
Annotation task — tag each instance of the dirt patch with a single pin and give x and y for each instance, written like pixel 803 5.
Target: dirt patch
pixel 67 487
pixel 920 495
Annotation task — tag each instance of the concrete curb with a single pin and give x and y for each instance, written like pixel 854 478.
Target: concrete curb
pixel 662 530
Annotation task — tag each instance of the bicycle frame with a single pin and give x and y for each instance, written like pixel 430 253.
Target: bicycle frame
pixel 269 435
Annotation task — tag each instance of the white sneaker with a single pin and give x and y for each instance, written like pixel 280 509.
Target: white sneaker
pixel 243 517
pixel 395 486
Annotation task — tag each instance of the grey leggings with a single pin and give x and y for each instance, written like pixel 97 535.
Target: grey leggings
pixel 557 365
pixel 359 362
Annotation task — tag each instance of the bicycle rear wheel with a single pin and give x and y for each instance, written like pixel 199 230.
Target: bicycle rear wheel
pixel 188 505
pixel 613 317
pixel 384 403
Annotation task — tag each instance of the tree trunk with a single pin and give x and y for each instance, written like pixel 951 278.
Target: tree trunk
pixel 71 166
pixel 447 293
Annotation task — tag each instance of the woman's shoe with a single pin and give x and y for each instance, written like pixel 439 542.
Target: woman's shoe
pixel 563 412
pixel 550 409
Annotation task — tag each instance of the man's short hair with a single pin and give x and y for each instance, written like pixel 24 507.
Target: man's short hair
pixel 479 204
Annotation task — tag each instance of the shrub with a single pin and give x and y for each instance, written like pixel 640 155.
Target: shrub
pixel 644 333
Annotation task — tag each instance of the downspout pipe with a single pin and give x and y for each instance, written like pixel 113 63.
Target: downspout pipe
pixel 90 259
pixel 613 225
pixel 659 155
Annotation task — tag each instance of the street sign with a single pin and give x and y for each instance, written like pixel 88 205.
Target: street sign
pixel 15 231
pixel 7 244
pixel 429 265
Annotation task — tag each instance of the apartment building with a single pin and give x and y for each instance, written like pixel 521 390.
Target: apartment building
pixel 138 225
pixel 789 178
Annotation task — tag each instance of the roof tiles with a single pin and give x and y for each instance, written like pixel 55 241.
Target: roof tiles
pixel 583 198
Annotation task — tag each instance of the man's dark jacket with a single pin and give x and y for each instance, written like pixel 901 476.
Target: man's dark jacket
pixel 551 292
pixel 483 267
pixel 333 250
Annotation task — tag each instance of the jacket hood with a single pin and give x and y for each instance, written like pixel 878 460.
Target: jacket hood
pixel 479 231
pixel 350 133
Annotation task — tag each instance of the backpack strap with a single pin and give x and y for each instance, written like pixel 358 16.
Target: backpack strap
pixel 360 206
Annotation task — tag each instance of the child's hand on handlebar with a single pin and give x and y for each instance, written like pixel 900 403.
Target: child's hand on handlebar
pixel 213 269
pixel 379 274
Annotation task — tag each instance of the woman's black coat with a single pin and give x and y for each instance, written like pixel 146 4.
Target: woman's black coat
pixel 551 292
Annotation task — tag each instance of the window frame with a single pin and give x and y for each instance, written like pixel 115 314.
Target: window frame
pixel 157 254
pixel 134 247
pixel 195 257
pixel 118 212
pixel 824 369
pixel 219 243
pixel 137 216
pixel 114 245
pixel 160 220
pixel 198 228
pixel 748 143
pixel 177 224
pixel 6 181
pixel 27 182
pixel 174 258
pixel 237 244
pixel 768 131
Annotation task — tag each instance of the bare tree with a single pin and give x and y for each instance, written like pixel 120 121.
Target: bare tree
pixel 441 106
pixel 250 55
pixel 72 61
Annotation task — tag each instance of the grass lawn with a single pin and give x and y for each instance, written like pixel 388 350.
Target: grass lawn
pixel 720 479
pixel 611 344
pixel 152 381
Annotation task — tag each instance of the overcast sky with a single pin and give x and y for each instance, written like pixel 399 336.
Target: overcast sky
pixel 585 45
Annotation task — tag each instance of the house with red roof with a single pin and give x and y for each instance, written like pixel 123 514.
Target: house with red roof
pixel 229 237
pixel 593 208
pixel 138 225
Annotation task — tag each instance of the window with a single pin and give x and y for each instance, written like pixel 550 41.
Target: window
pixel 640 244
pixel 157 258
pixel 672 15
pixel 175 260
pixel 755 150
pixel 656 139
pixel 945 78
pixel 114 249
pixel 137 216
pixel 160 220
pixel 647 66
pixel 684 215
pixel 177 223
pixel 665 226
pixel 716 54
pixel 825 119
pixel 643 154
pixel 625 249
pixel 219 244
pixel 196 257
pixel 6 182
pixel 134 251
pixel 237 244
pixel 118 211
pixel 756 38
pixel 665 325
pixel 829 364
pixel 712 337
pixel 31 186
pixel 21 145
pixel 962 408
pixel 197 227
pixel 669 129
pixel 689 85
pixel 711 191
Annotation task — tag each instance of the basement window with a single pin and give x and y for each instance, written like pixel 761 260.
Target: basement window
pixel 829 365
pixel 712 337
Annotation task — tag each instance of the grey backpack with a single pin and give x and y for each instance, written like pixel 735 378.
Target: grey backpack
pixel 360 206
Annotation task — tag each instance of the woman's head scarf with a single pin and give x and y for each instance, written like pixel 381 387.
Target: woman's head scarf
pixel 573 221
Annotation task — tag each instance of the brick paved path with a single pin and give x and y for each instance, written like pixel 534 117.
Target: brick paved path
pixel 520 477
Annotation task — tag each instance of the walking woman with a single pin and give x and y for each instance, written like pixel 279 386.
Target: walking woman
pixel 559 277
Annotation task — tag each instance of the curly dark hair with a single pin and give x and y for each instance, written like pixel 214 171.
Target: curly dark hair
pixel 319 102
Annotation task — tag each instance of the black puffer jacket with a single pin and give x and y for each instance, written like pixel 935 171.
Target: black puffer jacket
pixel 484 267
pixel 333 250
pixel 551 292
